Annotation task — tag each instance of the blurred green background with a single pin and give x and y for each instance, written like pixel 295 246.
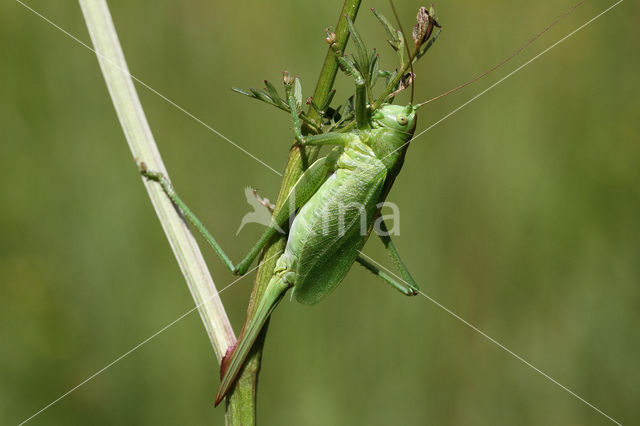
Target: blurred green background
pixel 520 213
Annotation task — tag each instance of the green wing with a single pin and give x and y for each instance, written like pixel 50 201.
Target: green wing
pixel 332 227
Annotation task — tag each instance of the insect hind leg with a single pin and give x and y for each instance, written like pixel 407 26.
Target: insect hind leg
pixel 401 287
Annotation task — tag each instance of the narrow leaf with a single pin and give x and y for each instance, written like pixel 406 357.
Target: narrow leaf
pixel 363 57
pixel 349 66
pixel 391 31
pixel 297 93
pixel 242 92
pixel 273 93
pixel 375 68
pixel 372 58
pixel 401 48
pixel 262 95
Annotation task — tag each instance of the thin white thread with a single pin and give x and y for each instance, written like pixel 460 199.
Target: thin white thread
pixel 149 87
pixel 494 341
pixel 136 347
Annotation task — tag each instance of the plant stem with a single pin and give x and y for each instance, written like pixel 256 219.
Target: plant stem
pixel 240 405
pixel 299 159
pixel 143 147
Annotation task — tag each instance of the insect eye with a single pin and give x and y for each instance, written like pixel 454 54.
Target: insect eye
pixel 402 119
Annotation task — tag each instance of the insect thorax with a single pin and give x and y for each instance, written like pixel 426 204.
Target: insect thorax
pixel 388 145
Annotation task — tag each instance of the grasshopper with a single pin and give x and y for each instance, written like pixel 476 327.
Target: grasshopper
pixel 369 138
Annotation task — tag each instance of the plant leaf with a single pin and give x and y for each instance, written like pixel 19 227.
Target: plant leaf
pixel 401 48
pixel 297 93
pixel 273 93
pixel 392 33
pixel 242 92
pixel 363 57
pixel 375 68
pixel 262 95
pixel 349 66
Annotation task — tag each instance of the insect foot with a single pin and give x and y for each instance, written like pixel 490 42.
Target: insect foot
pixel 144 171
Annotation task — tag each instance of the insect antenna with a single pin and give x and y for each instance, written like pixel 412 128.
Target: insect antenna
pixel 504 61
pixel 406 45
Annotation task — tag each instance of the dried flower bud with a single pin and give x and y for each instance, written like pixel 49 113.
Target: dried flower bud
pixel 422 24
pixel 331 37
pixel 288 80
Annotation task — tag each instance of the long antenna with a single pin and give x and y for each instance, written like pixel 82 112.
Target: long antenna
pixel 406 45
pixel 495 67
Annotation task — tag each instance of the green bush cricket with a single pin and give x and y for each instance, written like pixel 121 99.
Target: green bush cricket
pixel 369 139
